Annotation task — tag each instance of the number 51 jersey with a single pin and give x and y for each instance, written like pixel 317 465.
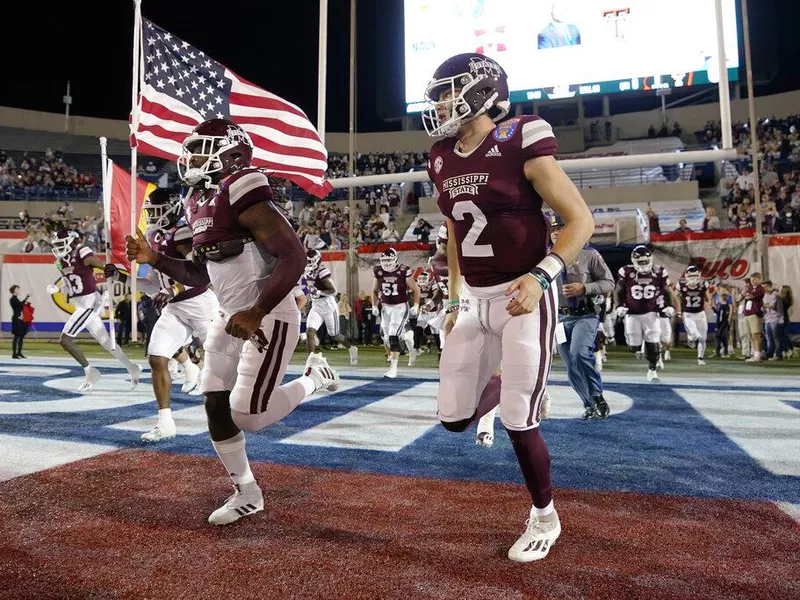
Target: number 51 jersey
pixel 392 284
pixel 644 292
pixel 496 213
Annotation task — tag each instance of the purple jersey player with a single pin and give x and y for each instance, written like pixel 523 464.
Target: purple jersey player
pixel 244 247
pixel 694 295
pixel 76 263
pixel 492 175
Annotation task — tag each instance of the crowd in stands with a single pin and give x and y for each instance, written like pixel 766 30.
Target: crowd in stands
pixel 44 175
pixel 40 231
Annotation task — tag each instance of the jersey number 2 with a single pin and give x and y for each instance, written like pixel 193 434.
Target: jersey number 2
pixel 469 249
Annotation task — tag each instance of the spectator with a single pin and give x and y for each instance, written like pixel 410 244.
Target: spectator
pixel 682 227
pixel 423 230
pixel 390 235
pixel 122 314
pixel 344 315
pixel 19 326
pixel 711 220
pixel 787 300
pixel 652 220
pixel 773 322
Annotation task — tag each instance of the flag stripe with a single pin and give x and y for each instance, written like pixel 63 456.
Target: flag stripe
pixel 182 87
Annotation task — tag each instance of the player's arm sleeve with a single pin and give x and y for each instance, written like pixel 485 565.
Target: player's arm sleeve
pixel 276 237
pixel 602 280
pixel 537 139
pixel 186 272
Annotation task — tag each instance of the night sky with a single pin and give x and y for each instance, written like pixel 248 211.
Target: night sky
pixel 273 44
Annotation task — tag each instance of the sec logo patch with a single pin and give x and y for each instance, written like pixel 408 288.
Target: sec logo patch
pixel 437 164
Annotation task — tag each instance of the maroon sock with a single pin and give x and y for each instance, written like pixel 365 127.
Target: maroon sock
pixel 490 398
pixel 534 461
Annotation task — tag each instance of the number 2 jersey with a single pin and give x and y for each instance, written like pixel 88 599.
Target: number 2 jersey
pixel 392 286
pixel 644 292
pixel 496 213
pixel 692 299
pixel 78 278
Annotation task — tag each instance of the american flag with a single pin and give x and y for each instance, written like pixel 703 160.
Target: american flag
pixel 181 87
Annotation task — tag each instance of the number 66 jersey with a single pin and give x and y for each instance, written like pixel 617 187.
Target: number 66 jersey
pixel 496 213
pixel 644 292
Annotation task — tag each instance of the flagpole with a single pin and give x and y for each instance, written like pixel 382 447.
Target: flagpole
pixel 107 232
pixel 352 250
pixel 322 68
pixel 137 33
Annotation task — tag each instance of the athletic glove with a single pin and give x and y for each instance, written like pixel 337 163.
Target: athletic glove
pixel 112 272
pixel 52 289
pixel 162 298
pixel 622 311
pixel 670 312
pixel 375 311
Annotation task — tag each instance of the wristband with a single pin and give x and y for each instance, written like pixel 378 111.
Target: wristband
pixel 541 277
pixel 551 265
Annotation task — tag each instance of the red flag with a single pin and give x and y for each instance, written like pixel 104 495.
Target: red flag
pixel 182 87
pixel 120 210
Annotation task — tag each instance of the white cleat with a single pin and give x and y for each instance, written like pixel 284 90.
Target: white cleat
pixel 323 376
pixel 546 402
pixel 160 432
pixel 246 500
pixel 485 439
pixel 668 356
pixel 537 540
pixel 135 374
pixel 701 362
pixel 660 364
pixel 652 376
pixel 192 373
pixel 92 377
pixel 392 372
pixel 353 350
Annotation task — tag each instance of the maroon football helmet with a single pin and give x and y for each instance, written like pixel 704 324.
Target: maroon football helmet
pixel 476 84
pixel 214 149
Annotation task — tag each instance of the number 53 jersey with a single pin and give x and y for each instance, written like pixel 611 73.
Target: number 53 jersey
pixel 500 230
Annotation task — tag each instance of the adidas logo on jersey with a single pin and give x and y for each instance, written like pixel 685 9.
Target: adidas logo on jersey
pixel 493 151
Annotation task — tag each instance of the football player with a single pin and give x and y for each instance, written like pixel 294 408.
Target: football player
pixel 324 308
pixel 665 325
pixel 245 248
pixel 391 284
pixel 642 292
pixel 186 312
pixel 438 266
pixel 76 263
pixel 694 297
pixel 492 175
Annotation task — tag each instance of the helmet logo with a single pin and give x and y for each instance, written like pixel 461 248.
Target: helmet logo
pixel 484 67
pixel 437 164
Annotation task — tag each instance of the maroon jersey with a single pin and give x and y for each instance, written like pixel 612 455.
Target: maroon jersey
pixel 692 299
pixel 315 278
pixel 754 301
pixel 78 278
pixel 644 293
pixel 426 295
pixel 392 285
pixel 440 274
pixel 497 217
pixel 167 242
pixel 213 214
